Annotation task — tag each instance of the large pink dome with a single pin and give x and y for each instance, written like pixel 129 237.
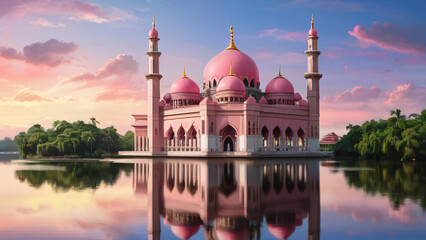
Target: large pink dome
pixel 279 85
pixel 184 85
pixel 231 83
pixel 243 66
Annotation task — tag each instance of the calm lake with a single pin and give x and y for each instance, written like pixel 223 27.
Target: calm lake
pixel 212 199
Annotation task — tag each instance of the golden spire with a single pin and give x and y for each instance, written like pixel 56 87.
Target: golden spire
pixel 184 73
pixel 153 22
pixel 279 73
pixel 230 71
pixel 232 44
pixel 312 21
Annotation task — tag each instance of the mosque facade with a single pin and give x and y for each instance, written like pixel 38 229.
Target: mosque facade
pixel 231 113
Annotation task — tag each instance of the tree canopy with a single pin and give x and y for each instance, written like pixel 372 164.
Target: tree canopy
pixel 77 139
pixel 398 137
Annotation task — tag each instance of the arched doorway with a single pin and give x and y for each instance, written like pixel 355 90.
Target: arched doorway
pixel 228 145
pixel 301 138
pixel 289 137
pixel 265 135
pixel 277 136
pixel 229 138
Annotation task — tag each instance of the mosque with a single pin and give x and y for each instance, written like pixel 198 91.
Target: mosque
pixel 231 113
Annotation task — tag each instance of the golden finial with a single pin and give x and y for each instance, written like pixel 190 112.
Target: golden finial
pixel 184 73
pixel 232 44
pixel 230 71
pixel 279 72
pixel 312 21
pixel 153 22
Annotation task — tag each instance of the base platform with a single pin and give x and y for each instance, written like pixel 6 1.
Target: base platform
pixel 226 154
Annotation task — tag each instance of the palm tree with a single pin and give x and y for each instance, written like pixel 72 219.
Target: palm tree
pixel 89 139
pixel 409 142
pixel 94 121
pixel 398 117
pixel 349 127
pixel 68 137
pixel 109 137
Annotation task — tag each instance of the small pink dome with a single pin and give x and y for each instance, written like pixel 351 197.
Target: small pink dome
pixel 251 100
pixel 263 101
pixel 231 235
pixel 304 103
pixel 207 101
pixel 162 103
pixel 281 232
pixel 243 66
pixel 279 85
pixel 167 97
pixel 297 97
pixel 153 33
pixel 184 232
pixel 231 83
pixel 184 85
pixel 312 32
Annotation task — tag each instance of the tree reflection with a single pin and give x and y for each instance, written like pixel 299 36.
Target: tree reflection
pixel 398 181
pixel 75 176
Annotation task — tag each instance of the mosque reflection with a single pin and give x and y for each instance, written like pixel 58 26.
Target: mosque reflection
pixel 229 200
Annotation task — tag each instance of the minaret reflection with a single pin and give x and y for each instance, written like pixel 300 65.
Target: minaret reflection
pixel 229 200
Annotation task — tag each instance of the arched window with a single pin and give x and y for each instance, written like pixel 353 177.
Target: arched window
pixel 210 84
pixel 257 85
pixel 252 83
pixel 249 129
pixel 214 83
pixel 245 82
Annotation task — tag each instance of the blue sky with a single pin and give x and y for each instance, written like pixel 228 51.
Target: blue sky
pixel 372 60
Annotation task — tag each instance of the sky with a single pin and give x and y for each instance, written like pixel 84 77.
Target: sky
pixel 75 59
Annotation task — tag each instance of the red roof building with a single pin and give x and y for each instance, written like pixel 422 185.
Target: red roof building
pixel 329 139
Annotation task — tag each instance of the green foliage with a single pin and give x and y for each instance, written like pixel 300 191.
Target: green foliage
pixel 398 137
pixel 77 139
pixel 7 145
pixel 75 176
pixel 397 180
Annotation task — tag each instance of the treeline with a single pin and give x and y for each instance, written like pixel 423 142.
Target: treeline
pixel 7 145
pixel 77 139
pixel 398 137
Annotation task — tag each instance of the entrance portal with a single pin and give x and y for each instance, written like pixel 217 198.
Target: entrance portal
pixel 228 145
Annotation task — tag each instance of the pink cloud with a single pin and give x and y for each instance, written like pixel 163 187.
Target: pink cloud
pixel 284 35
pixel 407 93
pixel 359 94
pixel 121 66
pixel 331 55
pixel 76 10
pixel 361 104
pixel 51 53
pixel 392 36
pixel 41 22
pixel 26 95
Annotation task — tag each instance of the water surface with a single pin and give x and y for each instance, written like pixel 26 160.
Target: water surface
pixel 179 199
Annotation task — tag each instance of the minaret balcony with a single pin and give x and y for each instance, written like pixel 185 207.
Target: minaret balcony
pixel 313 75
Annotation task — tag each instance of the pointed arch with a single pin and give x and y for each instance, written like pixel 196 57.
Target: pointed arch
pixel 228 184
pixel 180 178
pixel 265 135
pixel 181 133
pixel 278 177
pixel 210 84
pixel 277 135
pixel 170 178
pixel 214 83
pixel 252 83
pixel 192 179
pixel 245 81
pixel 170 134
pixel 228 134
pixel 289 137
pixel 289 178
pixel 301 137
pixel 265 179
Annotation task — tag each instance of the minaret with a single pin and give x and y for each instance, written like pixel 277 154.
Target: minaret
pixel 153 77
pixel 313 93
